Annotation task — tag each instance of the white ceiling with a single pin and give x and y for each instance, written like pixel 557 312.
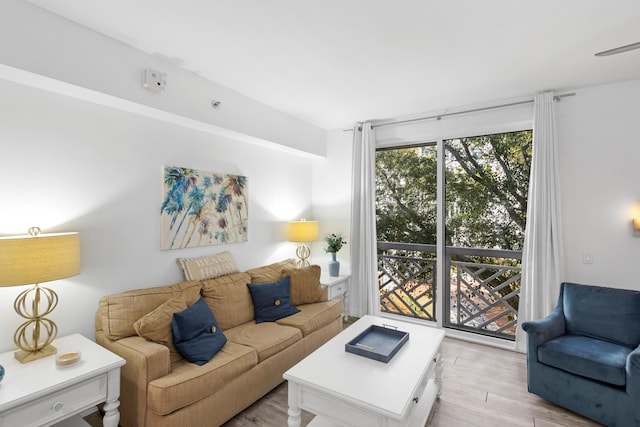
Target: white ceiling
pixel 334 62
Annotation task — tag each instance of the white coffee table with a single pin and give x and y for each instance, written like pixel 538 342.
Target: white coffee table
pixel 345 389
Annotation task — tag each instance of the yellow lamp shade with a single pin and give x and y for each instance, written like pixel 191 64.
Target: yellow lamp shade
pixel 303 231
pixel 36 259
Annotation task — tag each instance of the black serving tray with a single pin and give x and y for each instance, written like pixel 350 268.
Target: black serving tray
pixel 378 343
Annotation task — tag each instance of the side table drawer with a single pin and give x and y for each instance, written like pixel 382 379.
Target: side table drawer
pixel 337 290
pixel 57 405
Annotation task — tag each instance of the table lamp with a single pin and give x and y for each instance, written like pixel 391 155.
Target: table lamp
pixel 303 231
pixel 33 259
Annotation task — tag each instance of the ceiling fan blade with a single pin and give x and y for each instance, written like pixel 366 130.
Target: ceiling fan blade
pixel 619 49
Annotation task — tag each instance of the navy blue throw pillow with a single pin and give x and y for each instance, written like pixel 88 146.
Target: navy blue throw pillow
pixel 196 333
pixel 271 301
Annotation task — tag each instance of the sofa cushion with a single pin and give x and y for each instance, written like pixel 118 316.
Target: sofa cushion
pixel 271 301
pixel 208 267
pixel 271 272
pixel 120 311
pixel 156 326
pixel 187 383
pixel 266 338
pixel 229 298
pixel 314 316
pixel 305 285
pixel 196 334
pixel 588 357
pixel 605 313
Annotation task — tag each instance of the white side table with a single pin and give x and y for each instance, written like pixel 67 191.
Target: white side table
pixel 337 288
pixel 40 394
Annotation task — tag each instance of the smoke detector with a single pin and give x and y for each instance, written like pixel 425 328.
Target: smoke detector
pixel 154 80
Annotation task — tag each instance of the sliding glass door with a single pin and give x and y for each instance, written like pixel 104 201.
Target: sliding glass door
pixel 474 219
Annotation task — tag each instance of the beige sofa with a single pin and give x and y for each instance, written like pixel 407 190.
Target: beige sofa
pixel 160 388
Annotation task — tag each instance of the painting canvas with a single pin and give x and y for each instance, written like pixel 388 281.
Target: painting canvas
pixel 202 208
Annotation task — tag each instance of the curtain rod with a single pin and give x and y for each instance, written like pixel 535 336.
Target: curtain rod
pixel 474 110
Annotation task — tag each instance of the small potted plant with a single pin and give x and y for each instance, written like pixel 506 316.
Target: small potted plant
pixel 335 242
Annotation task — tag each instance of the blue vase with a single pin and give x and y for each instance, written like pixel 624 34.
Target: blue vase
pixel 334 266
pixel 1 373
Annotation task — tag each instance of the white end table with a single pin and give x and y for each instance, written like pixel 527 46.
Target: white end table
pixel 40 394
pixel 337 288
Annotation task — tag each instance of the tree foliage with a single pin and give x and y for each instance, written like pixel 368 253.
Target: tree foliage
pixel 406 195
pixel 486 186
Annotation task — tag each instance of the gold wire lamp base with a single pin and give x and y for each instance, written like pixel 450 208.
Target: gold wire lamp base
pixel 29 356
pixel 31 345
pixel 303 252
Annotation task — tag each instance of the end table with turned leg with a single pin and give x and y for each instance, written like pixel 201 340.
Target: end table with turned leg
pixel 338 286
pixel 41 393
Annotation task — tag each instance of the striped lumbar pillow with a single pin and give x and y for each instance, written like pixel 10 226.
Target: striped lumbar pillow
pixel 208 267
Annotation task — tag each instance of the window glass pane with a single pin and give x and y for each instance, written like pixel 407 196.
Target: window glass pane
pixel 406 194
pixel 487 181
pixel 486 187
pixel 406 230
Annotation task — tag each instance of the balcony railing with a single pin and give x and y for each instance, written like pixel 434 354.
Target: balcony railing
pixel 483 289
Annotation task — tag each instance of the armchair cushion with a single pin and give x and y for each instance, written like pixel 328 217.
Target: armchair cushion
pixel 604 313
pixel 589 357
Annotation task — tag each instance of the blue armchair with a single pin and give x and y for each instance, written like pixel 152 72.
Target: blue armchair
pixel 585 356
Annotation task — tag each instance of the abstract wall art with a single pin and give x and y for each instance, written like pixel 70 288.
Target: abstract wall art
pixel 202 208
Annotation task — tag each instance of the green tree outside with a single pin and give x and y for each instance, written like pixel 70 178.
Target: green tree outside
pixel 486 186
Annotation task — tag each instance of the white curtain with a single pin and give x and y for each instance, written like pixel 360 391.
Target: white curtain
pixel 542 253
pixel 363 288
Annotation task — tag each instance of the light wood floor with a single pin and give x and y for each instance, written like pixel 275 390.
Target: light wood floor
pixel 486 386
pixel 482 386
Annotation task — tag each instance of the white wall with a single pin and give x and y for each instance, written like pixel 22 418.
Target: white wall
pixel 331 198
pixel 600 183
pixel 70 165
pixel 485 121
pixel 47 51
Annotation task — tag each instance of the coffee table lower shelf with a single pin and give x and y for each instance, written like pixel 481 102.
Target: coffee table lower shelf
pixel 418 417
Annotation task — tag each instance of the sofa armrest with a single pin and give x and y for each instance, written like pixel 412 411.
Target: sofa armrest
pixel 325 293
pixel 633 373
pixel 543 330
pixel 146 361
